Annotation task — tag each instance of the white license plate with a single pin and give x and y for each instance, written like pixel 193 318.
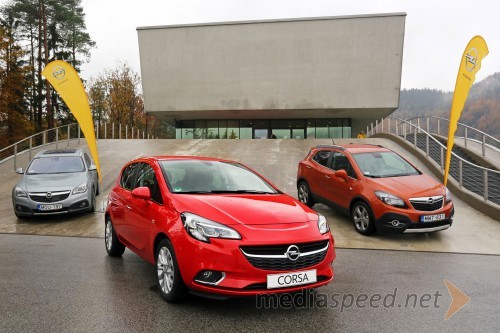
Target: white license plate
pixel 431 218
pixel 49 207
pixel 291 279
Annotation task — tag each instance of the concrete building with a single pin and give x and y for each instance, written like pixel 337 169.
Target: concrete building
pixel 295 78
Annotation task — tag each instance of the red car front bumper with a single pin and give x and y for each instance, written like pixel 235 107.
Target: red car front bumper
pixel 242 278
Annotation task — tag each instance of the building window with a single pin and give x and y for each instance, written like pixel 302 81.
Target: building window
pixel 264 129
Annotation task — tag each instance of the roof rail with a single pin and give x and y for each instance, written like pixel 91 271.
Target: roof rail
pixel 330 146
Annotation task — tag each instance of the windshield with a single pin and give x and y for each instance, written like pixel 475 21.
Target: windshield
pixel 194 176
pixel 384 164
pixel 56 164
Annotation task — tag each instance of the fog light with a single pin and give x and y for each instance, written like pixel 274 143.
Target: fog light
pixel 83 204
pixel 395 223
pixel 210 277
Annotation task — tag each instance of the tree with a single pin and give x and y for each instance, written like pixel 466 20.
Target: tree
pixel 13 83
pixel 49 30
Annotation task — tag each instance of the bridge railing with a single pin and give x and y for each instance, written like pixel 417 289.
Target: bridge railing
pixel 482 181
pixel 62 136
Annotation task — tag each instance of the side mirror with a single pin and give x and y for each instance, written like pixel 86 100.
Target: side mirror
pixel 141 193
pixel 342 174
pixel 92 167
pixel 20 171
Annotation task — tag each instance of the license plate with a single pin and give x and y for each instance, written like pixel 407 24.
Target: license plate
pixel 49 207
pixel 291 279
pixel 431 218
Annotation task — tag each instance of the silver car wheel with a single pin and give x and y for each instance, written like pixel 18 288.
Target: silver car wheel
pixel 165 267
pixel 361 218
pixel 303 194
pixel 109 235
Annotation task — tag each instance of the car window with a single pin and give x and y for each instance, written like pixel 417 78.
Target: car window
pixel 322 157
pixel 384 164
pixel 193 176
pixel 146 178
pixel 128 176
pixel 341 162
pixel 56 164
pixel 87 160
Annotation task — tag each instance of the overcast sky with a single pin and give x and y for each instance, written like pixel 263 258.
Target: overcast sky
pixel 437 31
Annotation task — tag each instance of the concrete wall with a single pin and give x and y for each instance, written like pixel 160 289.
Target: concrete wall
pixel 334 67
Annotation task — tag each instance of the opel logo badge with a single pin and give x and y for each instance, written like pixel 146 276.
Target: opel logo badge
pixel 58 72
pixel 48 195
pixel 293 252
pixel 430 201
pixel 470 59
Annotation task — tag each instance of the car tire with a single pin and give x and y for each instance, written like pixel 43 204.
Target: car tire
pixel 168 277
pixel 305 194
pixel 92 201
pixel 114 247
pixel 362 218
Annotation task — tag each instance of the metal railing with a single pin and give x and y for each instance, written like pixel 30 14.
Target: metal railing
pixel 479 180
pixel 439 126
pixel 62 137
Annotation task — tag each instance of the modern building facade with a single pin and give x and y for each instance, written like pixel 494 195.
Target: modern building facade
pixel 324 77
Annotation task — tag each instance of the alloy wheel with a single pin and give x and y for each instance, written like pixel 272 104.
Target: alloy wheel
pixel 165 267
pixel 109 235
pixel 361 218
pixel 303 194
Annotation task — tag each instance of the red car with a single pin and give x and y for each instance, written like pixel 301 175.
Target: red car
pixel 376 187
pixel 216 227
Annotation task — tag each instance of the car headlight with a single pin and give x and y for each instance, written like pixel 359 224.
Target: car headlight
pixel 447 195
pixel 390 199
pixel 323 224
pixel 80 188
pixel 20 193
pixel 203 229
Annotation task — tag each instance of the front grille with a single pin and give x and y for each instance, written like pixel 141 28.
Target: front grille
pixel 53 197
pixel 424 204
pixel 273 258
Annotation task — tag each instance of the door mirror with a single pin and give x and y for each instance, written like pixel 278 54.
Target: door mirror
pixel 20 171
pixel 142 193
pixel 92 167
pixel 342 174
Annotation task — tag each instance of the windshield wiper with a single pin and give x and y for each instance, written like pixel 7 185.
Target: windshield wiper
pixel 243 191
pixel 374 176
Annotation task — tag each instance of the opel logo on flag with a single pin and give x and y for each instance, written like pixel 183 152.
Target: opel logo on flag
pixel 293 252
pixel 470 59
pixel 58 72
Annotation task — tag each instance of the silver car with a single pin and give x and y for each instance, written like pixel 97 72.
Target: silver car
pixel 56 182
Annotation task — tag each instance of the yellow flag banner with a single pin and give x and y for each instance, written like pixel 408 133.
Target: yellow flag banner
pixel 65 80
pixel 470 64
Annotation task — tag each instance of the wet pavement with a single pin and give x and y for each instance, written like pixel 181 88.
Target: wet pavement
pixel 472 231
pixel 69 284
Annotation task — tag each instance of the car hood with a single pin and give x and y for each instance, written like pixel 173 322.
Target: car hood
pixel 245 209
pixel 52 182
pixel 409 186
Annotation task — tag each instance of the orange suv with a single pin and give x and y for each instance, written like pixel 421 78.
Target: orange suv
pixel 377 188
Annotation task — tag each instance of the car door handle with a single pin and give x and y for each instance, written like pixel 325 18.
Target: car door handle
pixel 326 176
pixel 308 166
pixel 129 208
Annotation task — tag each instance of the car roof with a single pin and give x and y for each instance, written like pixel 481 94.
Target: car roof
pixel 60 152
pixel 178 158
pixel 355 148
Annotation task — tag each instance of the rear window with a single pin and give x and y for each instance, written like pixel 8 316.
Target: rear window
pixel 56 164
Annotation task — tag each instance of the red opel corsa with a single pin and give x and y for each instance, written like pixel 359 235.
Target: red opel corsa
pixel 216 227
